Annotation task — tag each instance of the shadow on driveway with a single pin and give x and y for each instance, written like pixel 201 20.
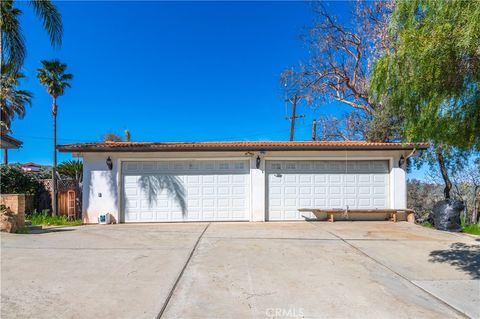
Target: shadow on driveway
pixel 464 257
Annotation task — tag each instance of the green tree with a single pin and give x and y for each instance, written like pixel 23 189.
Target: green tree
pixel 13 101
pixel 431 71
pixel 14 181
pixel 430 74
pixel 74 169
pixel 12 41
pixel 127 135
pixel 52 75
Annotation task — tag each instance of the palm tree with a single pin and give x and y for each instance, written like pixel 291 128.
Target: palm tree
pixel 74 170
pixel 52 75
pixel 12 100
pixel 12 42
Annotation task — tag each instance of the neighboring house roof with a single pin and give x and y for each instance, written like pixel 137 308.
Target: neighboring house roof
pixel 8 142
pixel 30 164
pixel 236 146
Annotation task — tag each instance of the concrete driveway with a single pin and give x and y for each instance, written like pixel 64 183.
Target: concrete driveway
pixel 241 270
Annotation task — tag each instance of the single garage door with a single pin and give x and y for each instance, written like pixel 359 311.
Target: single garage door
pixel 324 184
pixel 185 190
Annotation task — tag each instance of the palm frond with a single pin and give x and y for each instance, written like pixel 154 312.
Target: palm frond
pixel 52 75
pixel 71 168
pixel 13 101
pixel 51 19
pixel 12 37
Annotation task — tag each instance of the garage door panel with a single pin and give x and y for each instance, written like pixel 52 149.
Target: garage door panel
pixel 335 203
pixel 335 179
pixel 239 179
pixel 320 179
pixel 305 190
pixel 351 202
pixel 379 202
pixel 291 179
pixel 350 190
pixel 324 184
pixel 208 179
pixel 211 190
pixel 306 179
pixel 306 202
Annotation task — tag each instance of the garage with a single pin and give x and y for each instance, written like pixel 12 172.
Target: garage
pixel 325 184
pixel 186 190
pixel 241 180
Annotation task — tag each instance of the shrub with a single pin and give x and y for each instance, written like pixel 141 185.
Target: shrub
pixel 44 218
pixel 14 181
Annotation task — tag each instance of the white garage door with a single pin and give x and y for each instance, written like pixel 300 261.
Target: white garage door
pixel 185 190
pixel 324 184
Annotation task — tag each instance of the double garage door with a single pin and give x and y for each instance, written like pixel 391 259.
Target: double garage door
pixel 215 190
pixel 186 190
pixel 324 184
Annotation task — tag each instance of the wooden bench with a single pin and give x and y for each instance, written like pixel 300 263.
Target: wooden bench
pixel 335 211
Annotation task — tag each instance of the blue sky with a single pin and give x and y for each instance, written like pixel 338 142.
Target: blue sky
pixel 167 71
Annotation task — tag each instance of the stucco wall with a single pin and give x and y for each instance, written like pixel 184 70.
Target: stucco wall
pixel 102 187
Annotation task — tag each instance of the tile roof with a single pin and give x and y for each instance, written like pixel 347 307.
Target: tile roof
pixel 236 146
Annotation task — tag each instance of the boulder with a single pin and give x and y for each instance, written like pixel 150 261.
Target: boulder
pixel 8 220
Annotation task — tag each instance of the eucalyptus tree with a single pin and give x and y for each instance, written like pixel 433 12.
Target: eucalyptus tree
pixel 12 41
pixel 53 76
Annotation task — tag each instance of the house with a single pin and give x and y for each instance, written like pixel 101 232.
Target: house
pixel 7 142
pixel 238 181
pixel 31 167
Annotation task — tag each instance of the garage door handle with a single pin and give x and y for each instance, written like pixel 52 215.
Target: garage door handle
pixel 278 175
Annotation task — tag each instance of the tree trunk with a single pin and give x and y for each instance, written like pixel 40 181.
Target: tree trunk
pixel 78 195
pixel 1 51
pixel 476 205
pixel 5 156
pixel 54 168
pixel 444 172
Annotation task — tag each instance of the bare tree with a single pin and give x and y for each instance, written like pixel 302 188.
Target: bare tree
pixel 111 137
pixel 339 69
pixel 341 58
pixel 348 127
pixel 467 186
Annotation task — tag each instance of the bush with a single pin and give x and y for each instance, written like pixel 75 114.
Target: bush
pixel 14 181
pixel 44 218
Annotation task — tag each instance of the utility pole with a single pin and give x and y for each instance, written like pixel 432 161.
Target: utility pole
pixel 294 116
pixel 314 130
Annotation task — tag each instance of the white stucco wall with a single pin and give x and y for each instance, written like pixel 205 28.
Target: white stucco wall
pixel 102 187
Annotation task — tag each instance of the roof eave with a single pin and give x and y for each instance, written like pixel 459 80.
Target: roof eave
pixel 240 149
